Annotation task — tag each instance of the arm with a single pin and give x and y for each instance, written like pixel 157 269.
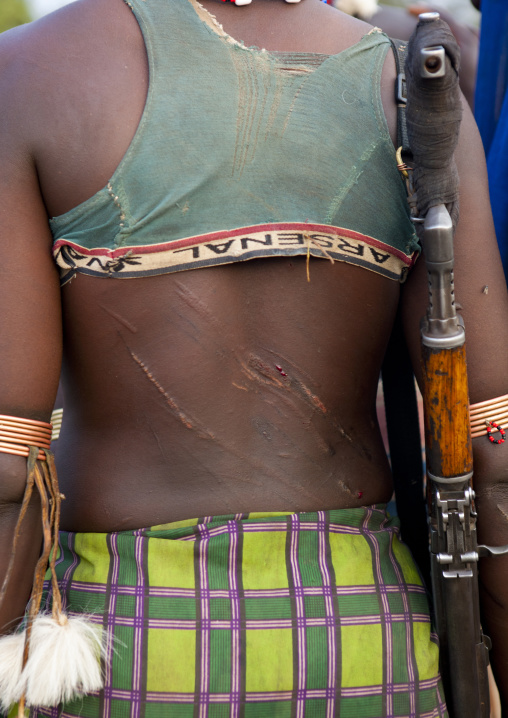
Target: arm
pixel 477 265
pixel 30 336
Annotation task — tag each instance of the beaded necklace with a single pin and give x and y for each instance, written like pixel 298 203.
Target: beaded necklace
pixel 248 2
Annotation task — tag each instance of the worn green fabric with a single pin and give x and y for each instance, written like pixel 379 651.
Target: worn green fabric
pixel 235 137
pixel 315 615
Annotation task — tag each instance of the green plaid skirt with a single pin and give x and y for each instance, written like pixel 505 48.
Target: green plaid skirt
pixel 273 615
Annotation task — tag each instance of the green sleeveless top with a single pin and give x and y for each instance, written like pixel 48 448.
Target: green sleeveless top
pixel 243 153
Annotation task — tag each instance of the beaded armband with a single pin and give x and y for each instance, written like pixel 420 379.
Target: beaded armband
pixel 248 2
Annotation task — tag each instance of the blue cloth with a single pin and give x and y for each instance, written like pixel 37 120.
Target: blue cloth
pixel 491 110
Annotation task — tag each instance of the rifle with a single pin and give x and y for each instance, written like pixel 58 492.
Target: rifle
pixel 452 517
pixel 434 103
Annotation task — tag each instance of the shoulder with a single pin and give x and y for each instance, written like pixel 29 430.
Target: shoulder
pixel 336 26
pixel 61 40
pixel 34 42
pixel 17 57
pixel 47 64
pixel 57 38
pixel 32 57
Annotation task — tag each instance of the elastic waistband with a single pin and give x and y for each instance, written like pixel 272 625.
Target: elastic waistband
pixel 347 521
pixel 235 245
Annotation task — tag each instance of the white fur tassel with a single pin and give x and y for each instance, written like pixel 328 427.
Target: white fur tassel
pixel 64 660
pixel 11 660
pixel 363 9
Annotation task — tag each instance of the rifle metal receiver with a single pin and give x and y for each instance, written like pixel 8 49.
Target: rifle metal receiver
pixel 453 534
pixel 442 328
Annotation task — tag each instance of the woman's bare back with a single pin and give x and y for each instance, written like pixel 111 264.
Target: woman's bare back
pixel 223 390
pixel 230 389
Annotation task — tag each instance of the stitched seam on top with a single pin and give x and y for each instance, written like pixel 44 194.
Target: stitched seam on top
pixel 121 213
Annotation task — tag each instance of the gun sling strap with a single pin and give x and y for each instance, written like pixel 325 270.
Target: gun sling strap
pixel 401 406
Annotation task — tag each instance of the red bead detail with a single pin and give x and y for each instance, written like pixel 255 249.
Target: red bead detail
pixel 360 494
pixel 492 425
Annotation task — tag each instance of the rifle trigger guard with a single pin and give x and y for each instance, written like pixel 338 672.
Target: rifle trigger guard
pixel 463 478
pixel 485 551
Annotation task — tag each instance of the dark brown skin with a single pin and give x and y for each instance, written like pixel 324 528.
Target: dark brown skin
pixel 224 390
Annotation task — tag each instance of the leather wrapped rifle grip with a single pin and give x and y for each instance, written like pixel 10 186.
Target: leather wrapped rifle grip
pixel 434 113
